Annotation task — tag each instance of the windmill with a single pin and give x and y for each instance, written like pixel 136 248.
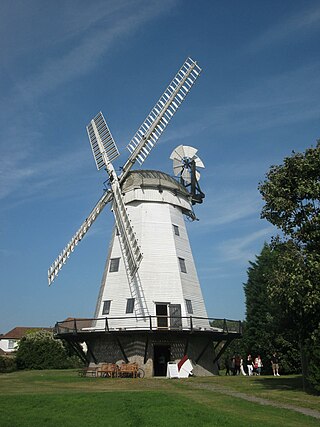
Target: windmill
pixel 150 280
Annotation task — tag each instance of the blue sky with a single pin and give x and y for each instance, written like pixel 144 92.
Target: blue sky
pixel 256 100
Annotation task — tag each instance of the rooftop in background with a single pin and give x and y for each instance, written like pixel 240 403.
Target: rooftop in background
pixel 20 331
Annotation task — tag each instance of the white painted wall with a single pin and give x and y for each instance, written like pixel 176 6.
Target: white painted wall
pixel 8 345
pixel 152 214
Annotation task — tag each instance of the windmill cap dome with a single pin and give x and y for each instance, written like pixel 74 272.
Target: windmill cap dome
pixel 152 179
pixel 145 186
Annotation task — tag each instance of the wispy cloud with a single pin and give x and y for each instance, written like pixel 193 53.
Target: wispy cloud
pixel 241 249
pixel 278 100
pixel 229 207
pixel 90 47
pixel 27 179
pixel 20 144
pixel 300 24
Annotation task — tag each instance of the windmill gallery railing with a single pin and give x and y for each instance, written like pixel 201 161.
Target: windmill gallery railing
pixel 148 323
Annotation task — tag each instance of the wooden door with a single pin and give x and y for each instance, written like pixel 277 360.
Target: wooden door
pixel 175 316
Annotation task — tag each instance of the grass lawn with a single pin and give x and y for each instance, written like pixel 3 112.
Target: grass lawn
pixel 61 398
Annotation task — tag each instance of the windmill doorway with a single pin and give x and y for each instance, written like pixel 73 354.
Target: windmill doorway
pixel 161 356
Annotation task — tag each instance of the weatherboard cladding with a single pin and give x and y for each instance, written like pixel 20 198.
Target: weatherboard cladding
pixel 100 295
pixel 159 271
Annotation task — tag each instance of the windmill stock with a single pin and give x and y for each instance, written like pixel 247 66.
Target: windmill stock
pixel 150 281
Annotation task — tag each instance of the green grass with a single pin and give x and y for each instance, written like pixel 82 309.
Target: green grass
pixel 61 398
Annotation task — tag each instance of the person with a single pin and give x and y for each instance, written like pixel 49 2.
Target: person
pixel 242 368
pixel 258 365
pixel 275 364
pixel 233 367
pixel 249 365
pixel 237 365
pixel 227 365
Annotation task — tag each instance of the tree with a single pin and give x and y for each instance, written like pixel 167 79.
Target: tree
pixel 314 366
pixel 39 350
pixel 291 192
pixel 267 329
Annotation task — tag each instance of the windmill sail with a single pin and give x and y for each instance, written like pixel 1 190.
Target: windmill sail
pixel 105 150
pixel 62 258
pixel 101 141
pixel 128 239
pixel 153 126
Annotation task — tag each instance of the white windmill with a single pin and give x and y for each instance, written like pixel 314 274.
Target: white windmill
pixel 150 280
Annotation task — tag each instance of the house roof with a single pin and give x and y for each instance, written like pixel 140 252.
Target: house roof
pixel 20 331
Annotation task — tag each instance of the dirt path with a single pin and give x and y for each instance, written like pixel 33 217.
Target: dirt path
pixel 223 390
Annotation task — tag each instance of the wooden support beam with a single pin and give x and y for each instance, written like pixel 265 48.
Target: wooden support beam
pixel 77 348
pixel 122 349
pixel 186 346
pixel 222 350
pixel 91 353
pixel 146 350
pixel 203 350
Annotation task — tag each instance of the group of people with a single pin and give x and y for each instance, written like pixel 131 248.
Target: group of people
pixel 254 366
pixel 251 366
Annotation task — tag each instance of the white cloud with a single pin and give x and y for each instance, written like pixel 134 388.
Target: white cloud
pixel 96 29
pixel 229 207
pixel 25 177
pixel 90 47
pixel 241 248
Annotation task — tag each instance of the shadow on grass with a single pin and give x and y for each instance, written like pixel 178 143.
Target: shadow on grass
pixel 284 383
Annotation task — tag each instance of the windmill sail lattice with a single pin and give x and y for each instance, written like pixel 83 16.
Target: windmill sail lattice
pixel 76 239
pixel 101 141
pixel 153 126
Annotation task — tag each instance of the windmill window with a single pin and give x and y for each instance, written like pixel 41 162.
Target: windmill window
pixel 106 307
pixel 130 305
pixel 189 306
pixel 176 230
pixel 114 265
pixel 182 264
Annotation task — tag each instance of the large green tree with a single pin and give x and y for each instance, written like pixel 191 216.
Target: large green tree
pixel 291 192
pixel 267 328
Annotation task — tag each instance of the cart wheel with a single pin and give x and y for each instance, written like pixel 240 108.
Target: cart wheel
pixel 140 373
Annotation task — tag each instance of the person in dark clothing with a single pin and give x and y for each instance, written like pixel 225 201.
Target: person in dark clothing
pixel 227 365
pixel 237 362
pixel 275 364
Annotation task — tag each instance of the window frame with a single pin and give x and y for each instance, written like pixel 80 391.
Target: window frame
pixel 130 305
pixel 182 264
pixel 176 230
pixel 189 306
pixel 106 306
pixel 114 265
pixel 11 344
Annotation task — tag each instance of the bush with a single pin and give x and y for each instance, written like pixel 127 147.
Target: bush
pixel 313 376
pixel 39 350
pixel 7 364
